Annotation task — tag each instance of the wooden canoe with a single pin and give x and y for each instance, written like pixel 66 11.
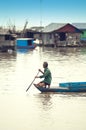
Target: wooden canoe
pixel 60 89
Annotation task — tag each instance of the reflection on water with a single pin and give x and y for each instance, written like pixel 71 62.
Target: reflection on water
pixel 22 50
pixel 45 100
pixel 32 110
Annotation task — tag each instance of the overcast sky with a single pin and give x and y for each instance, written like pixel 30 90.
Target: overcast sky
pixel 41 12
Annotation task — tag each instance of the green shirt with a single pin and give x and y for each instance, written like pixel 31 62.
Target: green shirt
pixel 47 76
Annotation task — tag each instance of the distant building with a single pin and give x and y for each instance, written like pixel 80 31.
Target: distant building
pixel 7 40
pixel 61 34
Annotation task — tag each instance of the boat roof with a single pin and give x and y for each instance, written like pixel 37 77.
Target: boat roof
pixel 25 38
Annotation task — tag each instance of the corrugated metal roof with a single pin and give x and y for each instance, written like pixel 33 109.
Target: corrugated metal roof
pixel 69 28
pixel 39 29
pixel 79 25
pixel 53 26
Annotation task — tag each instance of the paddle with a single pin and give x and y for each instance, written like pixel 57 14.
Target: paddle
pixel 32 82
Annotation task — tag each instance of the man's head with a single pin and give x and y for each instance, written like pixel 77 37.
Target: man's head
pixel 45 64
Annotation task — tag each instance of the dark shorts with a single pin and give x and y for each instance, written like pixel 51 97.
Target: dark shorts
pixel 44 83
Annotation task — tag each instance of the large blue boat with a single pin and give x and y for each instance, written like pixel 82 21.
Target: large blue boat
pixel 65 87
pixel 25 43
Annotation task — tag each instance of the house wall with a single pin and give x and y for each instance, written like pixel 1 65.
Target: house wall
pixel 36 36
pixel 6 42
pixel 73 38
pixel 2 38
pixel 83 35
pixel 48 39
pixel 56 40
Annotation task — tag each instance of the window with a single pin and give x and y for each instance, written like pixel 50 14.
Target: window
pixel 62 36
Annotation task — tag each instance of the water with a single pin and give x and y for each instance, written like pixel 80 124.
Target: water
pixel 21 110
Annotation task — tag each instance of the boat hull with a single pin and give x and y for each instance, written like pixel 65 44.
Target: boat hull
pixel 26 47
pixel 59 89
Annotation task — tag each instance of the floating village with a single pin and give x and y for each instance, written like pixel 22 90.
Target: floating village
pixel 52 35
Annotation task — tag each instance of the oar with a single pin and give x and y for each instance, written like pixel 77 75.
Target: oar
pixel 32 82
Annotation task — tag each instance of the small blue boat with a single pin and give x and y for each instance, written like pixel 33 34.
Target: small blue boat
pixel 25 43
pixel 65 87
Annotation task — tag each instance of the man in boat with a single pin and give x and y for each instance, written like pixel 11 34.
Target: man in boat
pixel 46 75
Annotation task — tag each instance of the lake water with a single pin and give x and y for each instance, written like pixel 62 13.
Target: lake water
pixel 31 110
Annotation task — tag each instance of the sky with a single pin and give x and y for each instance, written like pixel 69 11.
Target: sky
pixel 41 12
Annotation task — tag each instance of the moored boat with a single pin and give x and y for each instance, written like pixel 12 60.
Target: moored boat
pixel 25 43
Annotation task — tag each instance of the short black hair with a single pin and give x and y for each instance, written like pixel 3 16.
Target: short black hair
pixel 45 64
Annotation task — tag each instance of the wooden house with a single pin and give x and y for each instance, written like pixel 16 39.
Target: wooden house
pixel 47 33
pixel 7 40
pixel 61 35
pixel 68 35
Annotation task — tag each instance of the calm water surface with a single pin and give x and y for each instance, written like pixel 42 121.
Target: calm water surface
pixel 21 110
